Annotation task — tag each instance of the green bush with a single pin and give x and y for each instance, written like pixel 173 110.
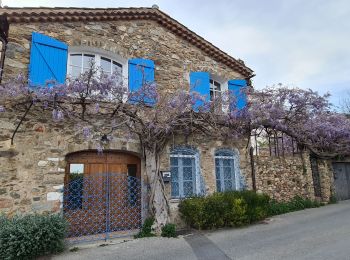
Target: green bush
pixel 169 230
pixel 30 236
pixel 232 208
pixel 146 230
pixel 236 208
pixel 297 203
pixel 192 211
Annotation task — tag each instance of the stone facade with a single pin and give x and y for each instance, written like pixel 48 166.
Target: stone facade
pixel 284 177
pixel 32 170
pixel 174 57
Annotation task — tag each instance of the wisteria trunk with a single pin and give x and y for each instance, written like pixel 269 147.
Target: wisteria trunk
pixel 157 201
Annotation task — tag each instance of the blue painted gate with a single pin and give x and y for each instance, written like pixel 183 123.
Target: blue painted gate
pixel 102 206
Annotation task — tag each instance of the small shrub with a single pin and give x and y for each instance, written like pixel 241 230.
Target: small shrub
pixel 146 230
pixel 237 215
pixel 236 208
pixel 192 211
pixel 169 230
pixel 30 236
pixel 231 208
pixel 297 203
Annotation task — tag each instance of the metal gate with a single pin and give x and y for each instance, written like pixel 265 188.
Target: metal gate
pixel 342 180
pixel 102 206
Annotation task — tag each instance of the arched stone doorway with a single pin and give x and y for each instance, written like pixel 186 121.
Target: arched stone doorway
pixel 102 194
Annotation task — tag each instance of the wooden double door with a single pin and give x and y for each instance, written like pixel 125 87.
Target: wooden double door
pixel 102 193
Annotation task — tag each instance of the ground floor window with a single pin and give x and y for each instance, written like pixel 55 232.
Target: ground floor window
pixel 226 171
pixel 185 175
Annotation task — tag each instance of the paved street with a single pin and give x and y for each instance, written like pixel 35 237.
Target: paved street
pixel 322 233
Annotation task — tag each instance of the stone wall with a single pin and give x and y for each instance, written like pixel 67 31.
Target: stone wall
pixel 206 150
pixel 32 170
pixel 284 177
pixel 174 57
pixel 325 171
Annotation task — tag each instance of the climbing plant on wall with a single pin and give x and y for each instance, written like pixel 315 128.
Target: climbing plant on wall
pixel 154 117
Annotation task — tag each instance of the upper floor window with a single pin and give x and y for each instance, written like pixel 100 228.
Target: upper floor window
pixel 215 89
pixel 81 62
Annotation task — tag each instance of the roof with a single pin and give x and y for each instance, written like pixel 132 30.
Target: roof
pixel 71 14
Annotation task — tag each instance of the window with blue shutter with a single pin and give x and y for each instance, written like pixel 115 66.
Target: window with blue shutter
pixel 48 60
pixel 141 76
pixel 199 82
pixel 236 88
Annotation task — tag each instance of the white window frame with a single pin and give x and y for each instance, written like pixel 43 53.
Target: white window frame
pixel 213 88
pixel 236 176
pixel 223 90
pixel 196 175
pixel 98 54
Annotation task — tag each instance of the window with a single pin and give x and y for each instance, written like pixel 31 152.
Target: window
pixel 185 176
pixel 215 89
pixel 81 62
pixel 227 177
pixel 76 179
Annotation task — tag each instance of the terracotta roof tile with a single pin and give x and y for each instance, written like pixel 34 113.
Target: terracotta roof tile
pixel 72 14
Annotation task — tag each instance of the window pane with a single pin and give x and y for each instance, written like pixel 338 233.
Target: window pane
pixel 75 71
pixel 227 162
pixel 187 161
pixel 227 172
pixel 187 173
pixel 188 188
pixel 218 185
pixel 228 184
pixel 173 161
pixel 174 173
pixel 106 65
pixel 117 66
pixel 75 59
pixel 76 168
pixel 174 189
pixel 87 60
pixel 217 173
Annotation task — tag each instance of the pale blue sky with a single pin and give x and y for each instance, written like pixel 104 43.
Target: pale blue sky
pixel 303 43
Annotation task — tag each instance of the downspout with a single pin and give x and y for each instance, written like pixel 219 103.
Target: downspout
pixel 251 153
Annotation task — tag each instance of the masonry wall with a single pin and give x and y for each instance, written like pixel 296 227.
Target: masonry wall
pixel 174 57
pixel 286 177
pixel 206 149
pixel 32 170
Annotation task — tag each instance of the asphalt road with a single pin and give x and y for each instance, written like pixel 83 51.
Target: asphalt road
pixel 322 233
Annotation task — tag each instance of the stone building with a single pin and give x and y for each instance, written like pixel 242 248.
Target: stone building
pixel 35 171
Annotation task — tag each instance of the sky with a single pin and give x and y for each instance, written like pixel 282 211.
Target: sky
pixel 302 43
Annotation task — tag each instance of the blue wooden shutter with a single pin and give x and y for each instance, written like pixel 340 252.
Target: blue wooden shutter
pixel 48 60
pixel 236 87
pixel 141 72
pixel 199 82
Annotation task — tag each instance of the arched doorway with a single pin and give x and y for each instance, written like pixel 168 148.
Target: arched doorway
pixel 102 194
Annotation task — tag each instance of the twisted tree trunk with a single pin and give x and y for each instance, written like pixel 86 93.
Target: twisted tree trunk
pixel 157 200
